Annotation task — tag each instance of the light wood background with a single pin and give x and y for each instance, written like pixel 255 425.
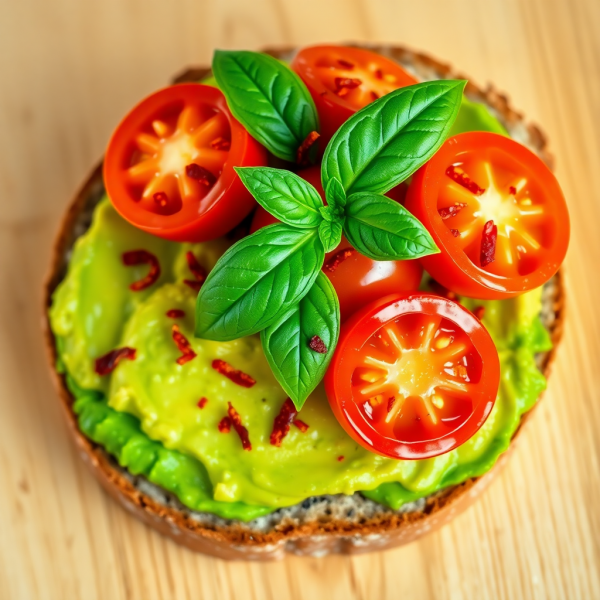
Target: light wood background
pixel 69 69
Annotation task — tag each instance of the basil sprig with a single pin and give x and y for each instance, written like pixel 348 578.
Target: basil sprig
pixel 271 281
pixel 268 99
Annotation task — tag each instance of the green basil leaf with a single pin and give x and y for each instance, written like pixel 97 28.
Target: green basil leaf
pixel 285 195
pixel 382 229
pixel 257 280
pixel 296 366
pixel 389 139
pixel 268 98
pixel 330 233
pixel 335 194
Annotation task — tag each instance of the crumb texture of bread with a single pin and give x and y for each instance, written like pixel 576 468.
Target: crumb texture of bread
pixel 319 525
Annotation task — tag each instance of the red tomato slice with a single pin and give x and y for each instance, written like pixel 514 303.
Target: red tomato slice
pixel 343 80
pixel 413 376
pixel 357 279
pixel 168 168
pixel 495 211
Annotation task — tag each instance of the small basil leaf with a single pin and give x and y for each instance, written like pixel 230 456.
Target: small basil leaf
pixel 257 280
pixel 330 233
pixel 296 366
pixel 268 98
pixel 285 195
pixel 389 139
pixel 382 229
pixel 330 214
pixel 335 194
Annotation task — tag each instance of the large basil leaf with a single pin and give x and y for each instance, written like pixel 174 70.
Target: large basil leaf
pixel 285 195
pixel 382 229
pixel 297 367
pixel 389 139
pixel 257 280
pixel 268 98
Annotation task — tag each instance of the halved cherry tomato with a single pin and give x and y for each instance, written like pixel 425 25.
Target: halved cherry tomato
pixel 343 80
pixel 495 211
pixel 168 168
pixel 413 376
pixel 357 279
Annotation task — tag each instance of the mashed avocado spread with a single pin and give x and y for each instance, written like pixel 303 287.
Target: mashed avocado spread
pixel 146 413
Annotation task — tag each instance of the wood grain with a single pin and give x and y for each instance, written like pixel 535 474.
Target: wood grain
pixel 70 69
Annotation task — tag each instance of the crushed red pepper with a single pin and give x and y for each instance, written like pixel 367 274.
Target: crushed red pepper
pixel 343 85
pixel 236 421
pixel 141 257
pixel 451 211
pixel 489 236
pixel 225 425
pixel 175 313
pixel 390 403
pixel 317 345
pixel 282 422
pixel 198 271
pixel 455 232
pixel 345 64
pixel 202 402
pixel 340 458
pixel 479 312
pixel 301 425
pixel 513 190
pixel 106 364
pixel 238 377
pixel 463 179
pixel 183 345
pixel 379 74
pixel 200 174
pixel 303 153
pixel 337 259
pixel 374 95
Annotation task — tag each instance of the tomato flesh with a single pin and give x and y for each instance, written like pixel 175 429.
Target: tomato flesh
pixel 495 211
pixel 169 165
pixel 343 80
pixel 413 376
pixel 357 279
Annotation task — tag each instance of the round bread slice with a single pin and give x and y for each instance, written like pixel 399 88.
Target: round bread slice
pixel 319 525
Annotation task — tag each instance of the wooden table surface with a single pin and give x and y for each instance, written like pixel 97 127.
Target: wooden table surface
pixel 70 69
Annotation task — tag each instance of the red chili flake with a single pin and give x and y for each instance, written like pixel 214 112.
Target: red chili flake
pixel 440 290
pixel 479 311
pixel 281 423
pixel 301 425
pixel 512 190
pixel 238 377
pixel 225 425
pixel 379 74
pixel 345 64
pixel 455 232
pixel 303 153
pixel 390 404
pixel 106 364
pixel 340 458
pixel 344 84
pixel 374 95
pixel 451 211
pixel 175 313
pixel 161 199
pixel 141 257
pixel 236 421
pixel 317 344
pixel 202 402
pixel 337 259
pixel 463 179
pixel 200 174
pixel 198 271
pixel 220 143
pixel 488 243
pixel 183 345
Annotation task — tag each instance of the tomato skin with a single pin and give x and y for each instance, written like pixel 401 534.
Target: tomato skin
pixel 355 334
pixel 334 109
pixel 227 202
pixel 358 280
pixel 452 267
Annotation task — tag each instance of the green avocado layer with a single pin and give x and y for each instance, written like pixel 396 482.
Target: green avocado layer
pixel 146 412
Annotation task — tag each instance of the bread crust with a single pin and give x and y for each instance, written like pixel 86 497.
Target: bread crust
pixel 235 541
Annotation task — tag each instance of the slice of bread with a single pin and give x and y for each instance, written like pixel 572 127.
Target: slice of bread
pixel 319 525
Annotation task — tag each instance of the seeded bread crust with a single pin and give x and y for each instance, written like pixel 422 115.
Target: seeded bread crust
pixel 320 525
